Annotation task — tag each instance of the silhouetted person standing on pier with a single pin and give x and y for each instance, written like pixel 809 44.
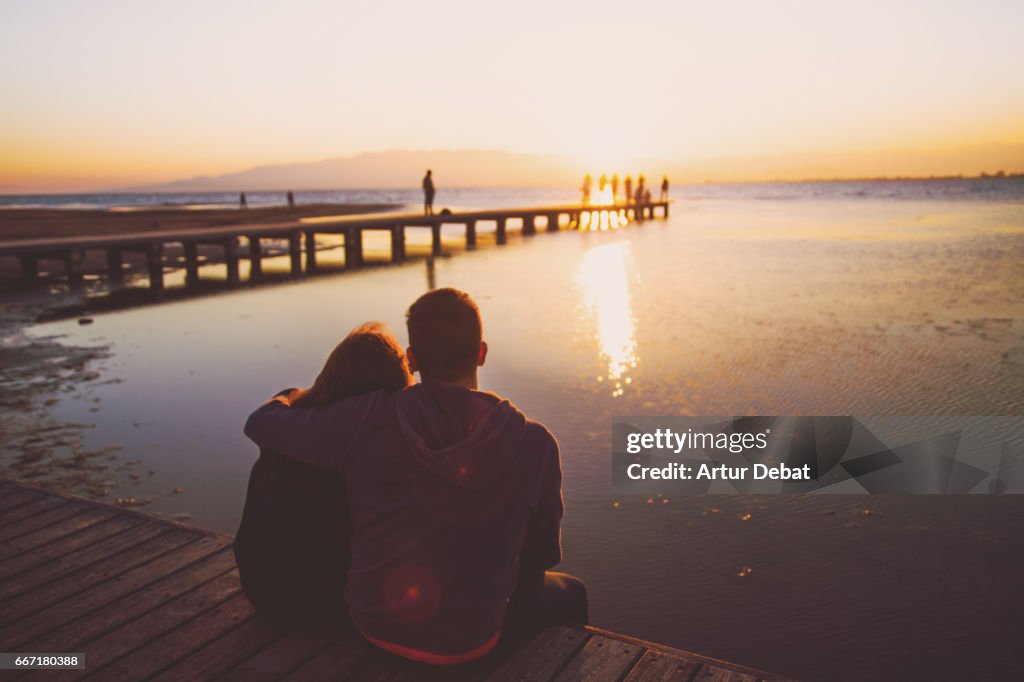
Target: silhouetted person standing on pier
pixel 664 189
pixel 242 203
pixel 628 186
pixel 638 199
pixel 428 193
pixel 585 189
pixel 615 188
pixel 291 199
pixel 602 183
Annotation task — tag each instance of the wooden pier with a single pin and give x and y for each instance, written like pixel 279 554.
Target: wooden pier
pixel 301 239
pixel 144 598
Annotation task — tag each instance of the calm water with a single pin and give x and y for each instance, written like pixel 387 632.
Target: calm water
pixel 867 298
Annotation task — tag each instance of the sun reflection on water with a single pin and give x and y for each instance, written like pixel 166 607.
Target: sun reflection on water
pixel 603 274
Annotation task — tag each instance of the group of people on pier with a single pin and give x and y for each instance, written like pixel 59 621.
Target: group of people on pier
pixel 641 194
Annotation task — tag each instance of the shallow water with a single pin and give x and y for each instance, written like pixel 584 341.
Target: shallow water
pixel 738 304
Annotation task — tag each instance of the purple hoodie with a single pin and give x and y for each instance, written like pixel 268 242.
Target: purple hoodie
pixel 451 491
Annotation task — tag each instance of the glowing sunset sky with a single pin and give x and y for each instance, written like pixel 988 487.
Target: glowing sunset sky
pixel 108 93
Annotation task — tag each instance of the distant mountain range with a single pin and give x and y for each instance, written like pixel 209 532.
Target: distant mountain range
pixel 375 170
pixel 493 168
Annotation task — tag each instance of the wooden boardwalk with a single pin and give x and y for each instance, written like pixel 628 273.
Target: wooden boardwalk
pixel 301 238
pixel 144 598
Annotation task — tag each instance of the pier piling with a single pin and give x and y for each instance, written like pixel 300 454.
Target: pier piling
pixel 255 257
pixel 295 252
pixel 29 267
pixel 530 225
pixel 310 251
pixel 155 265
pixel 231 259
pixel 397 243
pixel 191 263
pixel 552 222
pixel 435 238
pixel 115 265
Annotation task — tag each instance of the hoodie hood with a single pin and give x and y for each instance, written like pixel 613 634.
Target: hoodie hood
pixel 466 437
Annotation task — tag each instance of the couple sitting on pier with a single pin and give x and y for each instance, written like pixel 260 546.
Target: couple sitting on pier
pixel 425 515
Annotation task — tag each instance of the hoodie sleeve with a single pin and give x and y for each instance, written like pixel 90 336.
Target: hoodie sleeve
pixel 543 548
pixel 318 436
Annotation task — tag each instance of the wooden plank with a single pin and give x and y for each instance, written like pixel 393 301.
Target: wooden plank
pixel 542 657
pixel 272 663
pixel 337 662
pixel 655 667
pixel 79 521
pixel 384 667
pixel 126 625
pixel 180 642
pixel 712 673
pixel 38 566
pixel 245 642
pixel 46 517
pixel 25 620
pixel 12 496
pixel 31 507
pixel 601 660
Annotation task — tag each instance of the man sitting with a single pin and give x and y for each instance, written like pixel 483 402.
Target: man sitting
pixel 455 498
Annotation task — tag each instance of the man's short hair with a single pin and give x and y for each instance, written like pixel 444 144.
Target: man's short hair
pixel 445 332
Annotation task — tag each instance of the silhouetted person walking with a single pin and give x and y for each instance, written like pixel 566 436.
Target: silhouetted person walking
pixel 428 193
pixel 242 203
pixel 628 186
pixel 585 189
pixel 664 189
pixel 615 188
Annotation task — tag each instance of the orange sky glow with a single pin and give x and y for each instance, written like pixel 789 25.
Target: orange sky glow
pixel 114 94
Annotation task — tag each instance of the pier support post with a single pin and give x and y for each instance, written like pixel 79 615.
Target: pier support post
pixel 71 269
pixel 115 265
pixel 310 251
pixel 553 222
pixel 500 230
pixel 397 243
pixel 664 210
pixel 574 220
pixel 435 239
pixel 29 268
pixel 295 252
pixel 353 247
pixel 155 265
pixel 255 257
pixel 231 259
pixel 530 225
pixel 191 263
pixel 470 234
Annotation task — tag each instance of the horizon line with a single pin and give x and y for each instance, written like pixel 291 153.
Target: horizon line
pixel 984 175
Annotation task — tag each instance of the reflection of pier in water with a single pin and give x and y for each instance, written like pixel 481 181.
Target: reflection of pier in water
pixel 301 238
